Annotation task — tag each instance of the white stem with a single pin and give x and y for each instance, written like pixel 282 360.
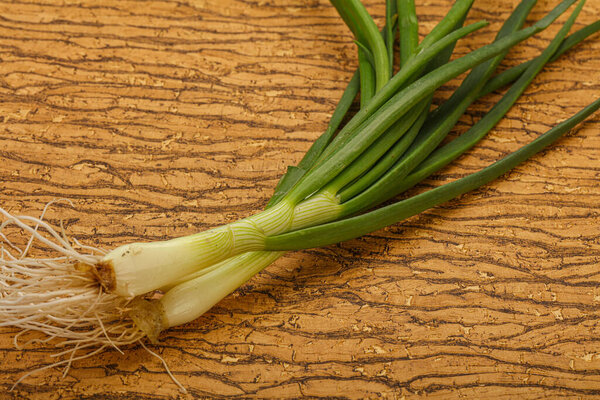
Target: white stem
pixel 189 300
pixel 138 268
pixel 142 267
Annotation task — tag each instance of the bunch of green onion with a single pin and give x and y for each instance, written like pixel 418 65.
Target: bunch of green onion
pixel 334 194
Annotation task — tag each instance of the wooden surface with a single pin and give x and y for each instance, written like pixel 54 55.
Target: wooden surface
pixel 160 118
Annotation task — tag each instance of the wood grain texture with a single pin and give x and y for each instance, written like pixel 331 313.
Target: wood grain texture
pixel 159 118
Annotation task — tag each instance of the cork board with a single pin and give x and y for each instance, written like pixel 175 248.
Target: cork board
pixel 161 118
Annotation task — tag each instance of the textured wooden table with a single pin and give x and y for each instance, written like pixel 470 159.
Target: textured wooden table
pixel 160 118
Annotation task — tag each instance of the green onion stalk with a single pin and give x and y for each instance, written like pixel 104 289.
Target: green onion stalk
pixel 389 145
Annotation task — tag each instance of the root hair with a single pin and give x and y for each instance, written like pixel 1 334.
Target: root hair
pixel 56 298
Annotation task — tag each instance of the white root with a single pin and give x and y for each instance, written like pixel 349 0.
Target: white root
pixel 51 300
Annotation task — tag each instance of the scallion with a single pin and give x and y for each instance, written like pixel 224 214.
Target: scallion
pixel 391 144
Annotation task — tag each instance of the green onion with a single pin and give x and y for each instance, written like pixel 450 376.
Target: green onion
pixel 388 146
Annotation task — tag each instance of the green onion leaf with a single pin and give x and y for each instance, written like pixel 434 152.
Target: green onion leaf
pixel 350 228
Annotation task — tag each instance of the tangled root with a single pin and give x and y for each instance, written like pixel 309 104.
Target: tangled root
pixel 58 295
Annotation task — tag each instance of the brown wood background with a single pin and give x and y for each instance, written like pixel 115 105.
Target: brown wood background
pixel 158 118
